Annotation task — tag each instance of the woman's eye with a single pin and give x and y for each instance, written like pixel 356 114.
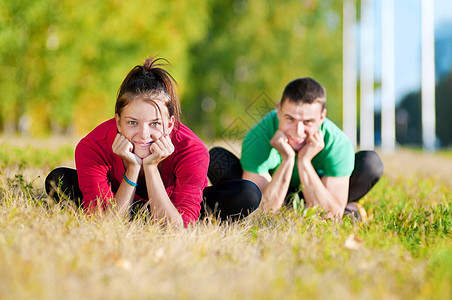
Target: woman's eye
pixel 155 124
pixel 132 123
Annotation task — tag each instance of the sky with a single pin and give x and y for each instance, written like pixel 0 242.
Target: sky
pixel 408 41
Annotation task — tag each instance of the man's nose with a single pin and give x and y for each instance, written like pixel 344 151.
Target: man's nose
pixel 300 128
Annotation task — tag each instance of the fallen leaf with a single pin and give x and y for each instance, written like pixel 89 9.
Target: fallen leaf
pixel 353 242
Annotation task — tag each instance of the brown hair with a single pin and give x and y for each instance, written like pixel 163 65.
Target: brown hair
pixel 149 81
pixel 305 90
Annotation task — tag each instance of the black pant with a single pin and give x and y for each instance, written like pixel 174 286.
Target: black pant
pixel 231 197
pixel 368 170
pixel 228 200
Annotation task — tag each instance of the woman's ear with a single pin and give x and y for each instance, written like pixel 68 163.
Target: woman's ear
pixel 118 125
pixel 171 123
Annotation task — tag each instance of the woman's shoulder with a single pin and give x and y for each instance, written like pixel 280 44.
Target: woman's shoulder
pixel 101 137
pixel 184 139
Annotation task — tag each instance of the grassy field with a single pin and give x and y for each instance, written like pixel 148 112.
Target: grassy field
pixel 403 251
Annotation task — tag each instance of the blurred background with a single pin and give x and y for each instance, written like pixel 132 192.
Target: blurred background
pixel 62 61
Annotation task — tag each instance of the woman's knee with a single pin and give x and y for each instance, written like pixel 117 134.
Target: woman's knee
pixel 63 180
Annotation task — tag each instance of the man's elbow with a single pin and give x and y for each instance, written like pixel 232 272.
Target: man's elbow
pixel 336 212
pixel 271 204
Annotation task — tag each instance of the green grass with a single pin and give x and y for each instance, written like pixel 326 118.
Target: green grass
pixel 30 156
pixel 404 250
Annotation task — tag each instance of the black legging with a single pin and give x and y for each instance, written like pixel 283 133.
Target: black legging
pixel 368 170
pixel 231 197
pixel 228 200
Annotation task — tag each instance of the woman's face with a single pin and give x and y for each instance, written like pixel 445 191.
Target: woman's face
pixel 142 123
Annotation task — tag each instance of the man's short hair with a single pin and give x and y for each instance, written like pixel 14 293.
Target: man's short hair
pixel 305 90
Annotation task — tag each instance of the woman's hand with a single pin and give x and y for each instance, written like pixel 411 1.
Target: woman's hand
pixel 160 149
pixel 124 149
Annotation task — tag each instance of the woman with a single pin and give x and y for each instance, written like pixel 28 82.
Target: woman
pixel 146 155
pixel 143 154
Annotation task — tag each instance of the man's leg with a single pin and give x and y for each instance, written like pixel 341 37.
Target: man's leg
pixel 63 183
pixel 368 170
pixel 229 197
pixel 232 199
pixel 223 166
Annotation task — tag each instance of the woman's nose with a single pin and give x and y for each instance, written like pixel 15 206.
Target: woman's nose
pixel 144 132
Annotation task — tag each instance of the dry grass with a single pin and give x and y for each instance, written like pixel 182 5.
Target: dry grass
pixel 404 251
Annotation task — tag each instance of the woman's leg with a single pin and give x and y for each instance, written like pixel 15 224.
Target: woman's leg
pixel 368 170
pixel 232 199
pixel 62 183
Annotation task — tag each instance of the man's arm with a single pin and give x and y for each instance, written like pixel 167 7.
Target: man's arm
pixel 274 188
pixel 330 193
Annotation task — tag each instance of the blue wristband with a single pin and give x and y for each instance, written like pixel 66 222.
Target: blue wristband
pixel 128 181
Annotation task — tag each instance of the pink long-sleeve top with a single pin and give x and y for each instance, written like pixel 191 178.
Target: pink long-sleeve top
pixel 184 173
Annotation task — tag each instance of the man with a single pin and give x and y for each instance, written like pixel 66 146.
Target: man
pixel 295 147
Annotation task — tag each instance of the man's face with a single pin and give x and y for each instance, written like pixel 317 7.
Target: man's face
pixel 299 120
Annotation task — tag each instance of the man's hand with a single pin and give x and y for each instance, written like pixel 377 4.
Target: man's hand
pixel 281 143
pixel 124 149
pixel 160 149
pixel 314 143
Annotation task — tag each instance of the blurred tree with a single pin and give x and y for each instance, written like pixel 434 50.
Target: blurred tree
pixel 62 63
pixel 253 49
pixel 409 117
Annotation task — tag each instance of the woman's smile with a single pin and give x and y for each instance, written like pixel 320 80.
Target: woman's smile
pixel 143 145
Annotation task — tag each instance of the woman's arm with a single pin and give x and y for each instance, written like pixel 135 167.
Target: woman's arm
pixel 189 167
pixel 126 192
pixel 93 166
pixel 92 170
pixel 159 203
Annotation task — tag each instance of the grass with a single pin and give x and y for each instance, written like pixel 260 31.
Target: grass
pixel 404 250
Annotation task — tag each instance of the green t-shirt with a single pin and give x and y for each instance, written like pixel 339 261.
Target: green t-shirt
pixel 337 159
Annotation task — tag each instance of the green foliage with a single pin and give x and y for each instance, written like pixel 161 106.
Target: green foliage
pixel 33 157
pixel 257 47
pixel 63 61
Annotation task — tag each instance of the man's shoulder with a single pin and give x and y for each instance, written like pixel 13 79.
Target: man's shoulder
pixel 257 156
pixel 337 157
pixel 332 133
pixel 266 127
pixel 330 125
